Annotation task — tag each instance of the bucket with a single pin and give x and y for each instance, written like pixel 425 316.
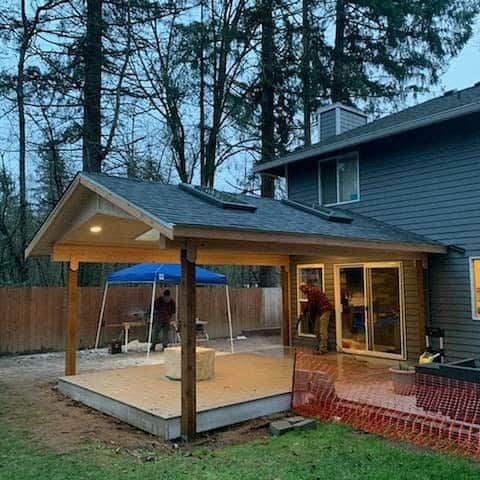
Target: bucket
pixel 115 347
pixel 403 381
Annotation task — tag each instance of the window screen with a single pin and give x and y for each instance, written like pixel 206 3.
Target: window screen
pixel 347 171
pixel 339 180
pixel 328 176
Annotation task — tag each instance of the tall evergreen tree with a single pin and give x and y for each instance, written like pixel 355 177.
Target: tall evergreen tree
pixel 383 49
pixel 92 88
pixel 267 124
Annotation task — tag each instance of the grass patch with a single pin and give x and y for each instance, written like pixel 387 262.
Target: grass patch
pixel 331 451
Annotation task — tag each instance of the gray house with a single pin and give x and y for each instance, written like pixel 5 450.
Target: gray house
pixel 417 170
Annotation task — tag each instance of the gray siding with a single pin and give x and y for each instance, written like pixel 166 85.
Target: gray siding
pixel 349 120
pixel 429 184
pixel 327 124
pixel 302 182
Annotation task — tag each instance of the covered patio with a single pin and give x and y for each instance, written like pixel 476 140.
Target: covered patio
pixel 109 219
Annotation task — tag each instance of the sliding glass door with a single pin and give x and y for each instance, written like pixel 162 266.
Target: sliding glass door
pixel 385 323
pixel 369 309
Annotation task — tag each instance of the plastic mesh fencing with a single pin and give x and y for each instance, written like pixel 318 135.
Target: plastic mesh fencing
pixel 434 411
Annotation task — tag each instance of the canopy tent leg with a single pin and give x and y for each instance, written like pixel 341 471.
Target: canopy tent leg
pixel 150 327
pixel 72 328
pixel 176 315
pixel 100 318
pixel 176 303
pixel 229 314
pixel 125 332
pixel 188 345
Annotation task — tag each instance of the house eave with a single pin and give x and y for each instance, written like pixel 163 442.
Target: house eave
pixel 276 238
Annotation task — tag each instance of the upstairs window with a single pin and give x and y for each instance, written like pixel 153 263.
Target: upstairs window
pixel 339 180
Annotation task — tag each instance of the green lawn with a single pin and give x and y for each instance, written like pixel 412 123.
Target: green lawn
pixel 330 452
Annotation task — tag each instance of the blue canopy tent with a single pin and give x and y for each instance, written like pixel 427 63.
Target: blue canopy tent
pixel 166 274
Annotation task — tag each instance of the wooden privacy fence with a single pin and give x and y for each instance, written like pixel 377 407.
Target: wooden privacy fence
pixel 34 319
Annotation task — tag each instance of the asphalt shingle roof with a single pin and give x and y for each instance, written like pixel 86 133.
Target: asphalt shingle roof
pixel 178 207
pixel 452 101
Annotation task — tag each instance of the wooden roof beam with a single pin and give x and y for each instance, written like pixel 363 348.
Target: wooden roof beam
pixel 111 254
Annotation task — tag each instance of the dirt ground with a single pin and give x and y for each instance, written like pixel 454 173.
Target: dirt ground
pixel 63 424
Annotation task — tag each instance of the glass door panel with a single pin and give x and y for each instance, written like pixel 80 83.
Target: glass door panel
pixel 369 312
pixel 311 276
pixel 384 325
pixel 352 306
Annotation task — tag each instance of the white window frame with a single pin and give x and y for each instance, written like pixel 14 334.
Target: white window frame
pixel 302 266
pixel 337 159
pixel 473 287
pixel 338 309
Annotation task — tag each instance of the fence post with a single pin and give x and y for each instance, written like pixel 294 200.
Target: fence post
pixel 286 327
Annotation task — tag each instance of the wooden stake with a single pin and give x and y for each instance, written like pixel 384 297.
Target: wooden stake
pixel 286 327
pixel 72 329
pixel 188 339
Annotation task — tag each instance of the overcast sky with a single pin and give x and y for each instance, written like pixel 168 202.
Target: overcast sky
pixel 464 70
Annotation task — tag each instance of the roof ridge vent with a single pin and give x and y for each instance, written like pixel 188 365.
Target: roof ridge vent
pixel 319 211
pixel 222 199
pixel 450 92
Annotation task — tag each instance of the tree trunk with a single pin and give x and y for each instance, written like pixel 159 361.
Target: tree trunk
pixel 90 274
pixel 307 100
pixel 219 82
pixel 92 117
pixel 268 94
pixel 20 94
pixel 338 91
pixel 203 180
pixel 266 274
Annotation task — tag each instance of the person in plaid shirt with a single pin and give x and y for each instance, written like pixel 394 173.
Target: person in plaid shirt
pixel 318 309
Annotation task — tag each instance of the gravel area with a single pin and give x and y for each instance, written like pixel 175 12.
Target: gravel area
pixel 49 366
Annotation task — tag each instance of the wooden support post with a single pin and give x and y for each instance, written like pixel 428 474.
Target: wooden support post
pixel 420 273
pixel 72 329
pixel 286 327
pixel 188 339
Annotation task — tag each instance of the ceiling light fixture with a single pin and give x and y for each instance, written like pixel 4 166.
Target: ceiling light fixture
pixel 95 228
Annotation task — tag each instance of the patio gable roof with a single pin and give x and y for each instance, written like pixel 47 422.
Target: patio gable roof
pixel 143 213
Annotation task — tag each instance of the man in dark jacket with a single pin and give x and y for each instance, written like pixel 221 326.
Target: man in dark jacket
pixel 163 310
pixel 318 309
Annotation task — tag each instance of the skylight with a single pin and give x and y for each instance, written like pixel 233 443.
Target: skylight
pixel 222 199
pixel 316 209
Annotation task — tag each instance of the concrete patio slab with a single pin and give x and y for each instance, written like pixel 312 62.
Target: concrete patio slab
pixel 245 386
